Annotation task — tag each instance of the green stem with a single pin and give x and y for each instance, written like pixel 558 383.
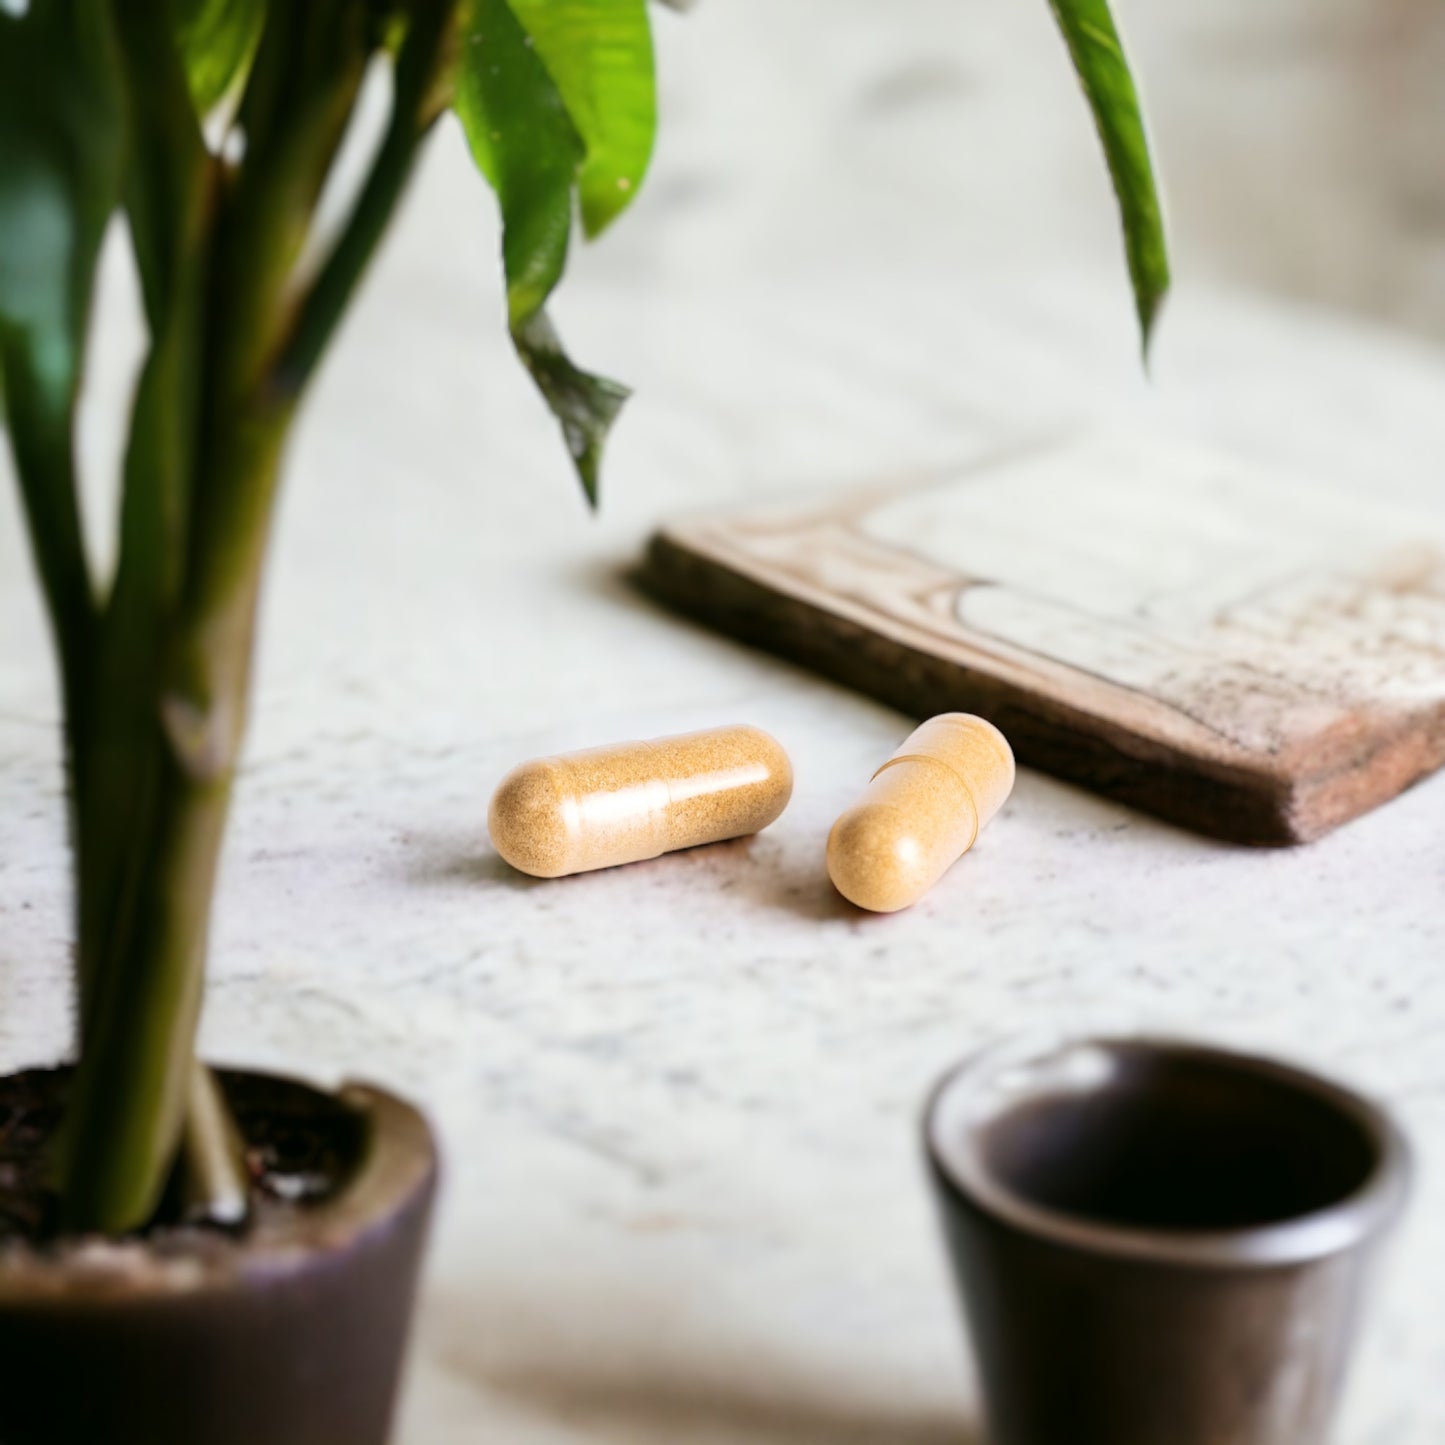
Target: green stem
pixel 42 443
pixel 169 194
pixel 41 438
pixel 131 814
pixel 214 1186
pixel 128 1101
pixel 413 112
pixel 216 402
pixel 175 655
pixel 118 736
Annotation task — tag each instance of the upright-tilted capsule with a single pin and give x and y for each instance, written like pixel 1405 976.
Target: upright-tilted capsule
pixel 921 812
pixel 620 804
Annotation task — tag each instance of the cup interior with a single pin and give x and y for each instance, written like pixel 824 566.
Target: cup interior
pixel 1134 1135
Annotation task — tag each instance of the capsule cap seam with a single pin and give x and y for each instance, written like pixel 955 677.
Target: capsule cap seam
pixel 952 772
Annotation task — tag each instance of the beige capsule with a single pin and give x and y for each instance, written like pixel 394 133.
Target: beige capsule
pixel 621 804
pixel 921 812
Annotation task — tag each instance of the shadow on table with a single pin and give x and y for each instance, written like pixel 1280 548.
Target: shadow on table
pixel 678 1410
pixel 769 880
pixel 776 879
pixel 446 860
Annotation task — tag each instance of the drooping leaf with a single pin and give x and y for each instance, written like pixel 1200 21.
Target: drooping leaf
pixel 61 146
pixel 585 405
pixel 525 143
pixel 60 170
pixel 1098 55
pixel 218 40
pixel 599 53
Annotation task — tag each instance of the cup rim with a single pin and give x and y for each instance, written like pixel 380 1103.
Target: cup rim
pixel 959 1166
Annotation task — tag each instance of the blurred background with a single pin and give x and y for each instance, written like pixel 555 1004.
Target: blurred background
pixel 1302 143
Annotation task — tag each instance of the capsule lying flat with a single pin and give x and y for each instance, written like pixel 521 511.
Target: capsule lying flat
pixel 921 812
pixel 635 800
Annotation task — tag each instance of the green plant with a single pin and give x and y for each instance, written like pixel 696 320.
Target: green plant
pixel 213 126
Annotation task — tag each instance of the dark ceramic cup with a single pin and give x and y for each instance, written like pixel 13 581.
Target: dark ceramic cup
pixel 1159 1243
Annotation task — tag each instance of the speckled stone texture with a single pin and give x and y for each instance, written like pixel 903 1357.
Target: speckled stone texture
pixel 684 1202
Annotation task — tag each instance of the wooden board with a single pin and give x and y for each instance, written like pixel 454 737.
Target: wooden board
pixel 1257 658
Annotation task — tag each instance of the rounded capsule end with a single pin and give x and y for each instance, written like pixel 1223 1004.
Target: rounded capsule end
pixel 876 861
pixel 527 821
pixel 778 790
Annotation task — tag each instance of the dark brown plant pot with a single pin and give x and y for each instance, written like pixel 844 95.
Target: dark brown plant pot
pixel 292 1333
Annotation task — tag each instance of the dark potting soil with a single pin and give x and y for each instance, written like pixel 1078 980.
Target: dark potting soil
pixel 29 1112
pixel 302 1145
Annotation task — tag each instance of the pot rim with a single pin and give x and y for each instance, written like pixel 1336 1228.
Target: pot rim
pixel 398 1161
pixel 972 1092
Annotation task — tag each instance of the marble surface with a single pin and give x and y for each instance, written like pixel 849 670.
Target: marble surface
pixel 680 1100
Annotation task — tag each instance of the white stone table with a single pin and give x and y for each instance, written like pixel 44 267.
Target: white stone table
pixel 684 1200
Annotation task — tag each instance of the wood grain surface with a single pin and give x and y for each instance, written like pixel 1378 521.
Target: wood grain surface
pixel 1235 651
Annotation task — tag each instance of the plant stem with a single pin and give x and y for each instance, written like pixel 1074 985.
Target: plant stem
pixel 41 437
pixel 133 812
pixel 126 1105
pixel 218 248
pixel 42 441
pixel 413 112
pixel 213 1175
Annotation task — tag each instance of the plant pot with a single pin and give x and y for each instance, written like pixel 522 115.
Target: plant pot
pixel 292 1333
pixel 1160 1242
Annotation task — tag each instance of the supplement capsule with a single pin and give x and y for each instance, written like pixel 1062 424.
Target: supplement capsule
pixel 921 812
pixel 593 809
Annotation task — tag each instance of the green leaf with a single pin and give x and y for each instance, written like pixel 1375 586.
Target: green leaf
pixel 1098 56
pixel 61 130
pixel 599 53
pixel 217 40
pixel 60 170
pixel 585 405
pixel 525 143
